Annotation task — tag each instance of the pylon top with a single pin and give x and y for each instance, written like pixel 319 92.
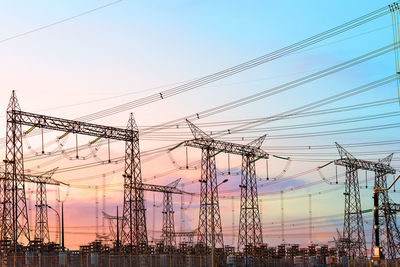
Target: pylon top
pixel 13 103
pixel 387 159
pixel 132 123
pixel 197 133
pixel 258 142
pixel 344 154
pixel 174 183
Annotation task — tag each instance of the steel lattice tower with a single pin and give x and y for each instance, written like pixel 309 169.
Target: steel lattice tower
pixel 14 219
pixel 353 236
pixel 210 227
pixel 250 233
pixel 388 230
pixel 41 222
pixel 168 228
pixel 250 230
pixel 14 211
pixel 134 231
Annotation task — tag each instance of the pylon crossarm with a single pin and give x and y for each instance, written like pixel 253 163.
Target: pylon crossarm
pixel 65 125
pixel 226 147
pixel 365 165
pixel 31 178
pixel 258 142
pixel 161 189
pixel 387 160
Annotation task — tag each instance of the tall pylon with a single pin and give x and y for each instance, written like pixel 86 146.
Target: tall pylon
pixel 168 229
pixel 388 230
pixel 41 220
pixel 14 217
pixel 250 230
pixel 210 227
pixel 353 236
pixel 134 231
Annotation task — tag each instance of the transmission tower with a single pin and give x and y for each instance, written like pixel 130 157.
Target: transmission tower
pixel 14 211
pixel 389 234
pixel 14 219
pixel 250 233
pixel 353 238
pixel 41 180
pixel 42 222
pixel 210 228
pixel 134 231
pixel 168 229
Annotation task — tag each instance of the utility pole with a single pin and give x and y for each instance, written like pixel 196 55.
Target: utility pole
pixel 117 243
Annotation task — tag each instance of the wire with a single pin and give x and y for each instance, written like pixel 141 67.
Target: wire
pixel 58 22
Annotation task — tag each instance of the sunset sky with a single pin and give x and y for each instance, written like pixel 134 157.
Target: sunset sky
pixel 67 62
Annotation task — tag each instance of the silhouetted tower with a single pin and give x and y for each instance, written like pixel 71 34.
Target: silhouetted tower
pixel 388 231
pixel 41 180
pixel 134 231
pixel 250 233
pixel 42 221
pixel 14 219
pixel 168 229
pixel 353 236
pixel 210 227
pixel 250 230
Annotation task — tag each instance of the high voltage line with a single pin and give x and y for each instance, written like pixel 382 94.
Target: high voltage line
pixel 332 98
pixel 241 67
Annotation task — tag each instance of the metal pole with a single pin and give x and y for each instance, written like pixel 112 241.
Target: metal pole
pixel 117 230
pixel 62 226
pixel 212 232
pixel 377 251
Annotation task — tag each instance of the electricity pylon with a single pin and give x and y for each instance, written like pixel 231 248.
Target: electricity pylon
pixel 210 228
pixel 353 239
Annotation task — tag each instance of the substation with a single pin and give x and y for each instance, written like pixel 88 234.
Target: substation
pixel 26 243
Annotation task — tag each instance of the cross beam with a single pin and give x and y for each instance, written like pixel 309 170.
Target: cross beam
pixel 72 126
pixel 365 165
pixel 162 189
pixel 226 147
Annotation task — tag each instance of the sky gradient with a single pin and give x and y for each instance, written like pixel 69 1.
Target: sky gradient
pixel 133 49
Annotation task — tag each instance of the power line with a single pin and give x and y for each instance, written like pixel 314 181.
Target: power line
pixel 58 22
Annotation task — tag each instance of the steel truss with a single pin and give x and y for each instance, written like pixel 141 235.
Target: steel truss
pixel 14 217
pixel 210 228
